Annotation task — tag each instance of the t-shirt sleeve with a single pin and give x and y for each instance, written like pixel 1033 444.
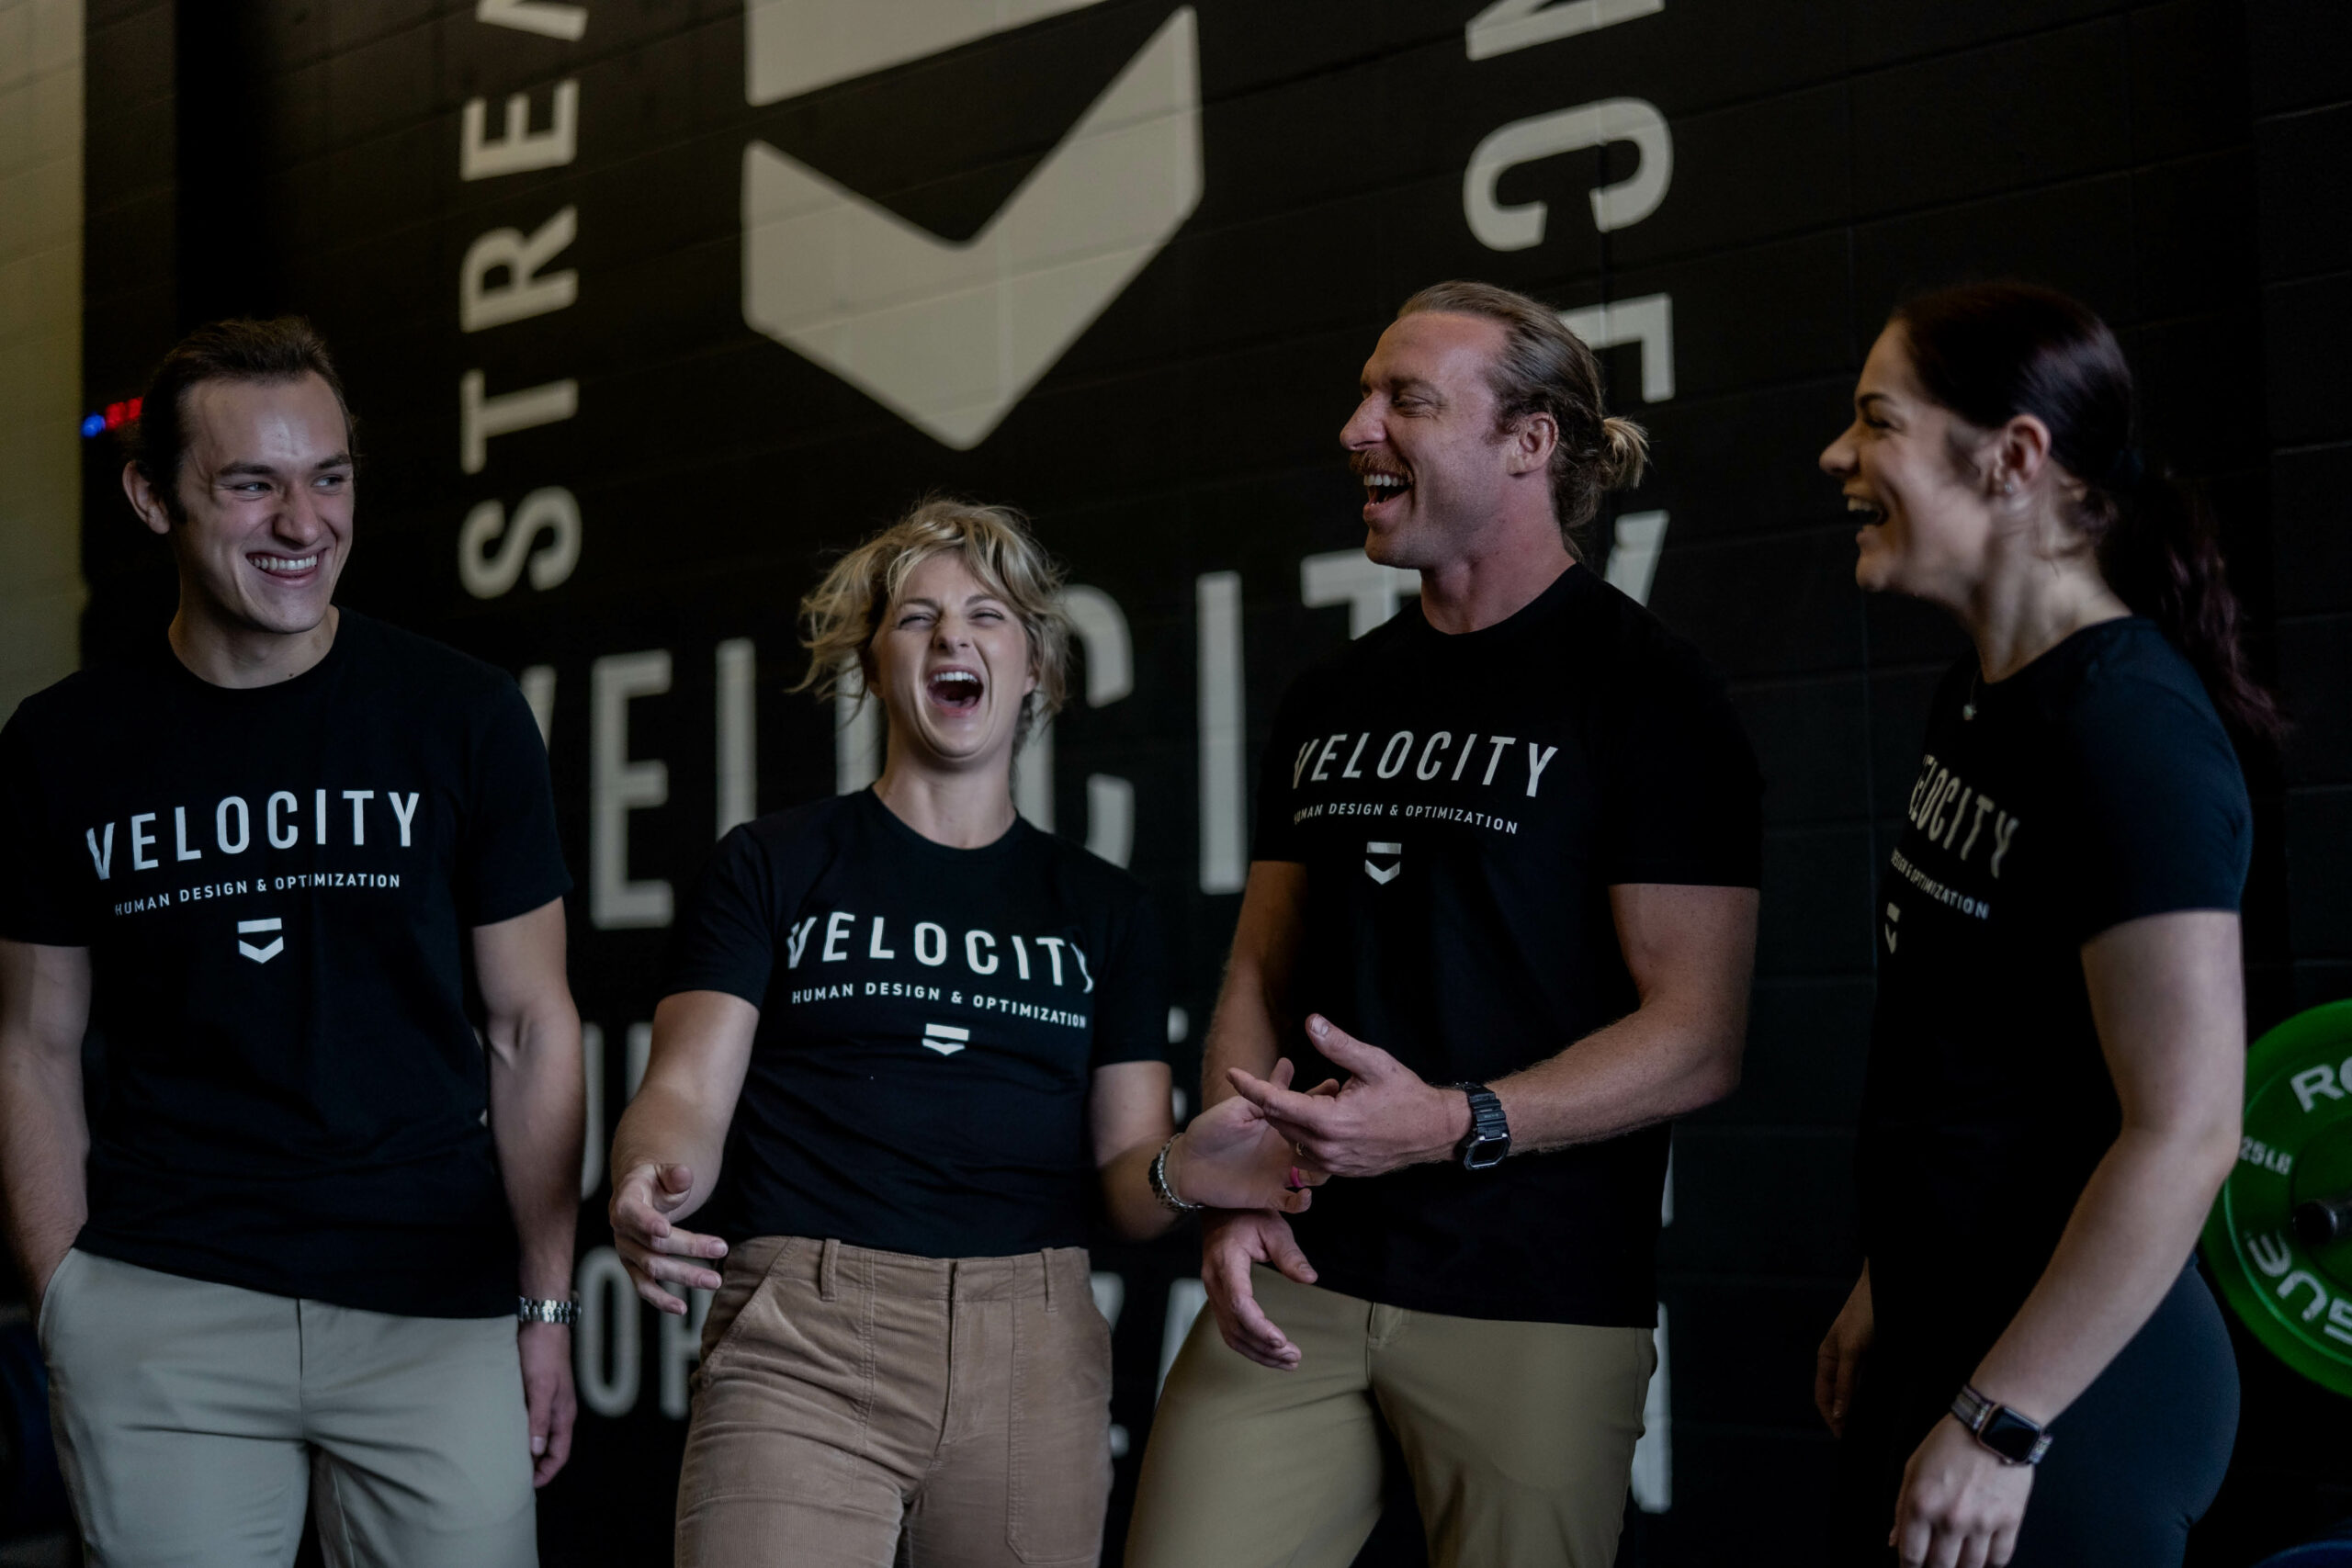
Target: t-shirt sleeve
pixel 726 935
pixel 513 861
pixel 38 900
pixel 1684 797
pixel 1275 835
pixel 2166 823
pixel 1131 991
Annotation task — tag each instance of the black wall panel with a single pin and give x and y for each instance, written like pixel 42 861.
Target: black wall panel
pixel 2171 163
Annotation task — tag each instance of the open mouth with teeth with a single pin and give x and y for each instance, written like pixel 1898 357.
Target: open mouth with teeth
pixel 1382 485
pixel 957 691
pixel 1863 511
pixel 285 566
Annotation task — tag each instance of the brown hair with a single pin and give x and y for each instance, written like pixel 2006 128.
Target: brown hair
pixel 841 617
pixel 283 350
pixel 1991 351
pixel 1545 368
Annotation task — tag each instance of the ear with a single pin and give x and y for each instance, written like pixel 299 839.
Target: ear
pixel 145 502
pixel 2019 454
pixel 1531 442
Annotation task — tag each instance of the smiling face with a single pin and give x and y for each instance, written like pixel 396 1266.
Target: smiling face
pixel 1423 440
pixel 1927 524
pixel 952 664
pixel 264 485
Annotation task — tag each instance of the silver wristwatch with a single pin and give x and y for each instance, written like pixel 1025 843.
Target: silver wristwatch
pixel 564 1312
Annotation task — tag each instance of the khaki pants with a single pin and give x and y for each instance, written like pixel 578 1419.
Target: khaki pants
pixel 196 1422
pixel 856 1409
pixel 1520 1436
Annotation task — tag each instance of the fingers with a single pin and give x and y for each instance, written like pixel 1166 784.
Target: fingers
pixel 2004 1546
pixel 1971 1552
pixel 563 1413
pixel 1284 1070
pixel 635 1224
pixel 648 1273
pixel 1284 1253
pixel 1850 1371
pixel 1824 1386
pixel 1225 1270
pixel 1344 1049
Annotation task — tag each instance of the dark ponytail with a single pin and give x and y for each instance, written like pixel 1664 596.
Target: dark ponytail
pixel 1991 351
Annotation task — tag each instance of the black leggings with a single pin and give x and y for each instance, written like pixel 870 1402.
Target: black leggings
pixel 2132 1463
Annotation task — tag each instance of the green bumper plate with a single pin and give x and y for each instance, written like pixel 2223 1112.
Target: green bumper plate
pixel 2297 1146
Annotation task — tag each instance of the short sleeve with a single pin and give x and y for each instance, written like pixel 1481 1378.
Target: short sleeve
pixel 513 861
pixel 1684 797
pixel 37 896
pixel 726 935
pixel 1131 991
pixel 2166 823
pixel 1274 836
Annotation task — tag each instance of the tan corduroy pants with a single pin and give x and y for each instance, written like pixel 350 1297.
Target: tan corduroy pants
pixel 856 1409
pixel 1520 1436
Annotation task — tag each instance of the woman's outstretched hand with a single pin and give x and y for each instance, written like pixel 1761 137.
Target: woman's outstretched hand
pixel 1231 1157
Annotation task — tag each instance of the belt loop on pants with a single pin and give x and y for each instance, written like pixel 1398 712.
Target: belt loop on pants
pixel 1047 1259
pixel 828 1260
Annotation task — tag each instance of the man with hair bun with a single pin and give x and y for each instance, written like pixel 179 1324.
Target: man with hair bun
pixel 1499 922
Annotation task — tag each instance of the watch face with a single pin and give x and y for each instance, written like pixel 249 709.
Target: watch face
pixel 1486 1153
pixel 2009 1436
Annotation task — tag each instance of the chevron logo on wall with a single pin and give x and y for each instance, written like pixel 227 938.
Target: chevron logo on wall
pixel 951 335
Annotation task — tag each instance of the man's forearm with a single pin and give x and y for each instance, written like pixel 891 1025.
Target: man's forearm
pixel 1241 1033
pixel 1648 1067
pixel 537 1096
pixel 44 1148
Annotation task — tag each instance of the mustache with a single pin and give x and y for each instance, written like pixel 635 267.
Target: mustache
pixel 1362 463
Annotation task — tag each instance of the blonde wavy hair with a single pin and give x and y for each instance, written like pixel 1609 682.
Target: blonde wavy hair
pixel 842 615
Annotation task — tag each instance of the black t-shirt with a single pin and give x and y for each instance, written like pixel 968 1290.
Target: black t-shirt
pixel 276 887
pixel 1462 804
pixel 2094 786
pixel 930 1022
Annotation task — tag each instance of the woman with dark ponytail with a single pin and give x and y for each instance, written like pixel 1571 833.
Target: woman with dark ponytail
pixel 2030 1369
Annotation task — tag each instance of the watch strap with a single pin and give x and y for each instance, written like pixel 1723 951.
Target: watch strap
pixel 2010 1436
pixel 1487 1142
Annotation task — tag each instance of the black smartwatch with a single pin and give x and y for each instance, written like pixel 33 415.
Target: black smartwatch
pixel 1488 1140
pixel 2010 1436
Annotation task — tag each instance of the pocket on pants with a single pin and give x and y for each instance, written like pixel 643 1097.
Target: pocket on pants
pixel 67 1265
pixel 1060 1474
pixel 740 1281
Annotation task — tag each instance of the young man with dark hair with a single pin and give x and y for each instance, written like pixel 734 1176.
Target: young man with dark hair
pixel 1505 877
pixel 266 867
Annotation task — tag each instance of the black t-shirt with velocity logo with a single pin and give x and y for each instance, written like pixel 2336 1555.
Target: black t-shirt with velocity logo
pixel 276 887
pixel 930 1022
pixel 2092 787
pixel 1462 804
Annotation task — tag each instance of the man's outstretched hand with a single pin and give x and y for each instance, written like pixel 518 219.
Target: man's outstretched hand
pixel 653 1250
pixel 1230 1242
pixel 1384 1117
